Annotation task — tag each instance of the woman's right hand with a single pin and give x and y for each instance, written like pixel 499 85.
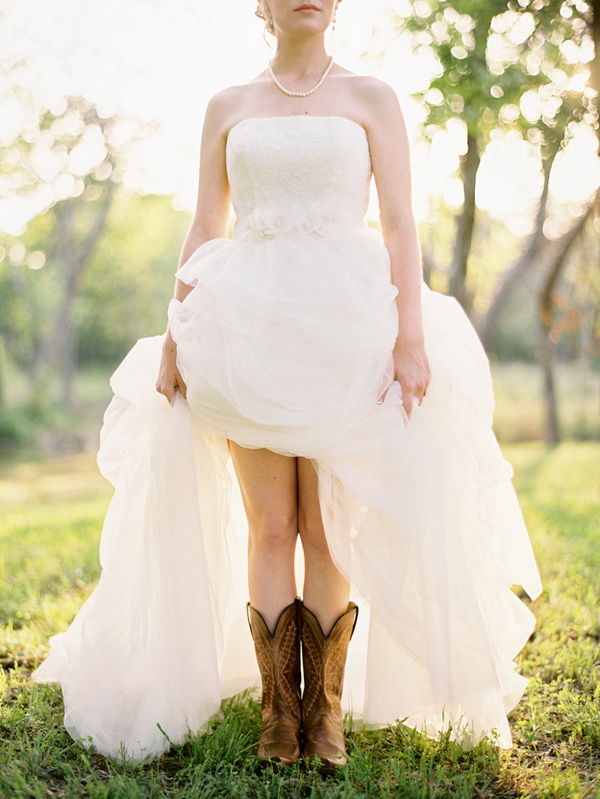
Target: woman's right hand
pixel 169 378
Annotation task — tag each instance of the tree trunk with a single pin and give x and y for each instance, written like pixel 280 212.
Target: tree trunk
pixel 69 369
pixel 34 315
pixel 2 375
pixel 61 251
pixel 466 224
pixel 587 341
pixel 75 258
pixel 552 433
pixel 528 261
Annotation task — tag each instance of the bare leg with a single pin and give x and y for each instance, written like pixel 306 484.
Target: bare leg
pixel 326 590
pixel 269 490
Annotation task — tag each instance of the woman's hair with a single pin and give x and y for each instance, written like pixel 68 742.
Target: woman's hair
pixel 267 18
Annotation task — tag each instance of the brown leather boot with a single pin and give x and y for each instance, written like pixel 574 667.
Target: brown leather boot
pixel 323 662
pixel 278 656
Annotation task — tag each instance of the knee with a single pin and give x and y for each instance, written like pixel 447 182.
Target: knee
pixel 274 530
pixel 312 533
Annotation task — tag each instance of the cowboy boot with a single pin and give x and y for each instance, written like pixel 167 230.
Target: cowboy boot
pixel 278 657
pixel 323 662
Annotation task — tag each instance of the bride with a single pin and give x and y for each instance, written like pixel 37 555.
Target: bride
pixel 355 405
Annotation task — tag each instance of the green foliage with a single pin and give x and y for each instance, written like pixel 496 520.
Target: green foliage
pixel 132 268
pixel 13 429
pixel 53 512
pixel 491 54
pixel 130 280
pixel 71 161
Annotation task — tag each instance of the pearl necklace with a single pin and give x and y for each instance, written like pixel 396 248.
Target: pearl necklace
pixel 299 94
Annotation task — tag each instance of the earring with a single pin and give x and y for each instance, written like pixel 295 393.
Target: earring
pixel 333 18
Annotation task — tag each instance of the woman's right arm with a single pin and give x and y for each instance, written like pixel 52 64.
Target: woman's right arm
pixel 209 222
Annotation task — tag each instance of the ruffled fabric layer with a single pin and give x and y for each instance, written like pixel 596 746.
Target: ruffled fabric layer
pixel 285 343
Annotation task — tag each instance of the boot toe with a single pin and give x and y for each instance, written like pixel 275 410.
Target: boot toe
pixel 326 758
pixel 285 753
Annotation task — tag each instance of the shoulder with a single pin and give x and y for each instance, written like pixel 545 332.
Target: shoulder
pixel 372 88
pixel 378 98
pixel 229 105
pixel 377 106
pixel 375 102
pixel 224 101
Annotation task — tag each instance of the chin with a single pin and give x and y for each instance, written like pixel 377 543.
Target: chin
pixel 306 27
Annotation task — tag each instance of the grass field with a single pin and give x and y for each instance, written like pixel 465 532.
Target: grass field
pixel 51 518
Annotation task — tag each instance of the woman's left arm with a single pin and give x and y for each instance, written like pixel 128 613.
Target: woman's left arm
pixel 390 158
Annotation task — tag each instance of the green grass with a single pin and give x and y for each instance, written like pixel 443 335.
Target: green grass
pixel 51 518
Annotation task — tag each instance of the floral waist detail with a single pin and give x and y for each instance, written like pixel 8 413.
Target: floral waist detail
pixel 269 223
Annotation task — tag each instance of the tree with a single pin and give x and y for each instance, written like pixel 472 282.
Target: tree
pixel 495 58
pixel 72 161
pixel 513 65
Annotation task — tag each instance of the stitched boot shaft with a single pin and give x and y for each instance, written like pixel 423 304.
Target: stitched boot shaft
pixel 323 662
pixel 278 657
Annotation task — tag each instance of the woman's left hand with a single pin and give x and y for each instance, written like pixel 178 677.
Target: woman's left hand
pixel 411 370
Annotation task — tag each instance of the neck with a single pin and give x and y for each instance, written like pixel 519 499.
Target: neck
pixel 300 58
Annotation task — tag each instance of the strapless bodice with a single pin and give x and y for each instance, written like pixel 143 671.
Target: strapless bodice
pixel 298 173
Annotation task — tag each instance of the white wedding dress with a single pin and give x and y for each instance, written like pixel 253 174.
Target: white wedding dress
pixel 285 343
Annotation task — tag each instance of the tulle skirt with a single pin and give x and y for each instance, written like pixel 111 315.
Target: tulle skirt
pixel 285 343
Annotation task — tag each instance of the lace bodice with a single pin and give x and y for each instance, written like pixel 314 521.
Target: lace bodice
pixel 297 174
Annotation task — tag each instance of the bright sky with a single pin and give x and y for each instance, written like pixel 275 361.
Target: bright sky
pixel 163 59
